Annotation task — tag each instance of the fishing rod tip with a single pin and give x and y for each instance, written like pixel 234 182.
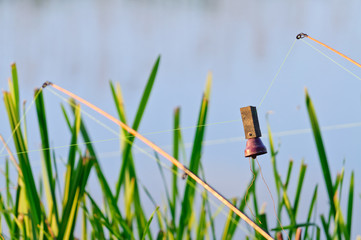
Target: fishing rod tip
pixel 301 35
pixel 45 84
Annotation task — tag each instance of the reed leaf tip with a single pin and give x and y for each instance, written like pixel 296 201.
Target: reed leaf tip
pixel 207 91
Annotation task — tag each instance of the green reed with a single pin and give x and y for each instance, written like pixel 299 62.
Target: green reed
pixel 28 215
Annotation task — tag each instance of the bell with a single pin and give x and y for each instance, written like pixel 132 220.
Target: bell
pixel 252 131
pixel 254 147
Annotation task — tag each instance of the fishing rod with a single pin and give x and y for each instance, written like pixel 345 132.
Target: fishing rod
pixel 304 35
pixel 167 156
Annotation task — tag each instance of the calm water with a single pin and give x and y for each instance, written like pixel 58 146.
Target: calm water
pixel 81 45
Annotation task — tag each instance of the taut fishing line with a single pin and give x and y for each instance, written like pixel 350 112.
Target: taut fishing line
pixel 256 122
pixel 21 121
pixel 142 150
pixel 249 187
pixel 12 158
pixel 277 73
pixel 304 35
pixel 299 36
pixel 273 201
pixel 332 60
pixel 167 156
pixel 206 142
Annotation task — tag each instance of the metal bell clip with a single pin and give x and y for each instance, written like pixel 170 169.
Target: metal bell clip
pixel 252 131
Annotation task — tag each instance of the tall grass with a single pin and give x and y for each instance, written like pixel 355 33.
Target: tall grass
pixel 27 214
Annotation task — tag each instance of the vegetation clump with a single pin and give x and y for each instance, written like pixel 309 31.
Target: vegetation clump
pixel 38 210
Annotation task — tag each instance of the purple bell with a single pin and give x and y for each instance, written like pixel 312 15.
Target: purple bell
pixel 252 131
pixel 254 147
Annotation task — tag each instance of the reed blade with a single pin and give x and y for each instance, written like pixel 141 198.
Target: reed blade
pixel 189 192
pixel 350 203
pixel 310 211
pixel 47 161
pixel 321 151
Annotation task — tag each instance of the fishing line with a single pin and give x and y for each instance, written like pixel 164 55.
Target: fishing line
pixel 205 143
pixel 259 105
pixel 193 185
pixel 278 71
pixel 3 189
pixel 192 127
pixel 300 36
pixel 235 120
pixel 149 155
pixel 273 201
pixel 21 120
pixel 332 60
pixel 245 198
pixel 142 150
pixel 168 157
pixel 195 126
pixel 87 114
pixel 12 158
pixel 303 35
pixel 314 217
pixel 179 174
pixel 170 130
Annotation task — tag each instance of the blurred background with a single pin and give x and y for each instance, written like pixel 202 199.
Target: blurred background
pixel 81 45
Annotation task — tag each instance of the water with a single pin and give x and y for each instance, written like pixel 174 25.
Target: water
pixel 81 45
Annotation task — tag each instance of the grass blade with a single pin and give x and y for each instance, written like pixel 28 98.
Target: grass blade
pixel 14 88
pixel 146 229
pixel 321 151
pixel 101 219
pixel 227 227
pixel 276 175
pixel 339 219
pixel 116 215
pixel 289 171
pixel 24 162
pixel 325 227
pixel 294 226
pixel 127 163
pixel 76 192
pixel 233 223
pixel 202 228
pixel 85 220
pixel 5 212
pixel 76 179
pixel 49 179
pixel 176 144
pixel 350 204
pixel 9 199
pixel 72 156
pixel 301 177
pixel 312 204
pixel 188 198
pixel 208 207
pixel 136 123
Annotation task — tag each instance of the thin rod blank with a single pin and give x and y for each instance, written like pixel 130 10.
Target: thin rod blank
pixel 334 50
pixel 168 157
